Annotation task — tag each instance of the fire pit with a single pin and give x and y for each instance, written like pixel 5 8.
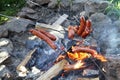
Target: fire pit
pixel 72 56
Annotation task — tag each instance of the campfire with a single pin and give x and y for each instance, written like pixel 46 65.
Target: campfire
pixel 77 57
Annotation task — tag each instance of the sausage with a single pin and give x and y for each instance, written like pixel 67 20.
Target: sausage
pixel 91 51
pixel 85 33
pixel 52 37
pixel 82 26
pixel 44 37
pixel 71 32
pixel 88 24
pixel 84 49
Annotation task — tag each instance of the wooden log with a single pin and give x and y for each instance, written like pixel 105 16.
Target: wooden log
pixel 53 71
pixel 56 26
pixel 49 27
pixel 88 79
pixel 21 67
pixel 60 20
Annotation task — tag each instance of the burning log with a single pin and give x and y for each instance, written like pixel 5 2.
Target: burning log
pixel 21 67
pixel 77 65
pixel 53 71
pixel 44 37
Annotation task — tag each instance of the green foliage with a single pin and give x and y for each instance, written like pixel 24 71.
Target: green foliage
pixel 3 19
pixel 10 8
pixel 114 8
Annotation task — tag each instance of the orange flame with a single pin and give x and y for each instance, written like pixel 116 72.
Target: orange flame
pixel 85 55
pixel 78 56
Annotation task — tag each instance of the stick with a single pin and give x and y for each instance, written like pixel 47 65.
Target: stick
pixel 21 66
pixel 53 71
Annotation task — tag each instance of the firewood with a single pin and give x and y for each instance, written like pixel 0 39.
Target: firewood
pixel 21 67
pixel 53 71
pixel 88 79
pixel 56 26
pixel 61 19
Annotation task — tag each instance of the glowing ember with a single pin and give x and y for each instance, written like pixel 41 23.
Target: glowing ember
pixel 78 65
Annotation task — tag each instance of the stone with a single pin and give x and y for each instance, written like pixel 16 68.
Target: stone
pixel 32 16
pixel 6 44
pixel 3 55
pixel 28 10
pixel 113 14
pixel 101 24
pixel 112 68
pixel 93 6
pixel 41 2
pixel 4 71
pixel 52 3
pixel 117 24
pixel 77 7
pixel 31 4
pixel 106 34
pixel 3 31
pixel 18 24
pixel 59 3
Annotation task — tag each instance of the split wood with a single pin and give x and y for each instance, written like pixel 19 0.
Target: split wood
pixel 54 70
pixel 21 67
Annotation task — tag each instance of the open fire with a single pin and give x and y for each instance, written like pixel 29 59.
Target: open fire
pixel 78 54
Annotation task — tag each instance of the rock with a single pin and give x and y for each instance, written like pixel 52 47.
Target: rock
pixel 31 4
pixel 6 47
pixel 52 3
pixel 117 24
pixel 17 24
pixel 4 71
pixel 3 31
pixel 6 44
pixel 3 55
pixel 112 68
pixel 106 34
pixel 41 2
pixel 61 3
pixel 100 18
pixel 32 16
pixel 93 6
pixel 28 10
pixel 101 24
pixel 113 14
pixel 28 13
pixel 77 7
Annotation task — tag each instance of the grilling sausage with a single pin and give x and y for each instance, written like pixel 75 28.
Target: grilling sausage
pixel 44 37
pixel 52 37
